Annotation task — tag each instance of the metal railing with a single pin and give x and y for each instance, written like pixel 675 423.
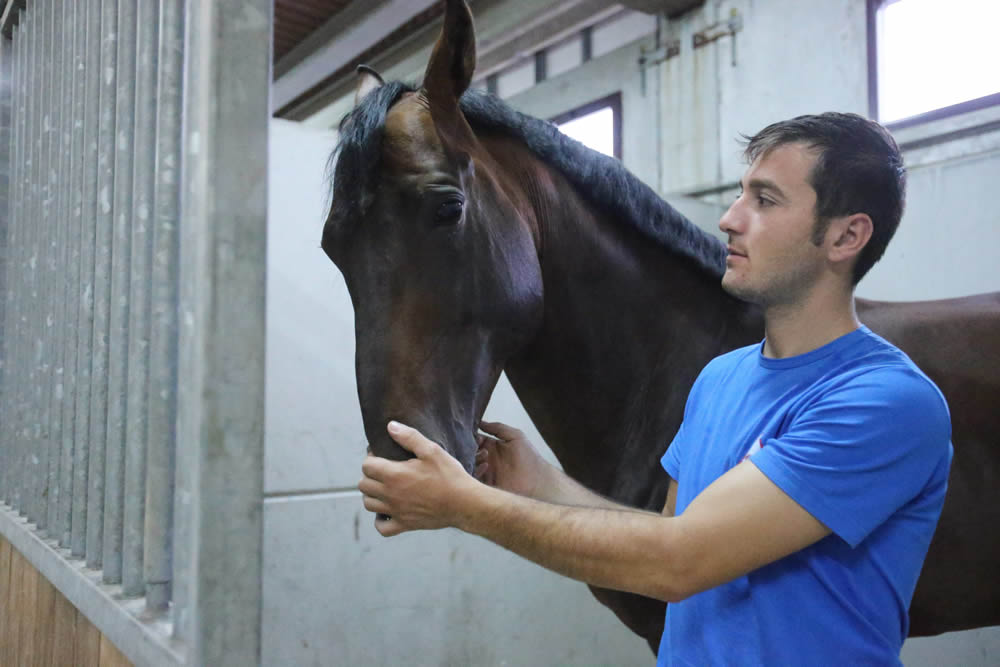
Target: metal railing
pixel 134 135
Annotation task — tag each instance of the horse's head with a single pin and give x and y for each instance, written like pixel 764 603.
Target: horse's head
pixel 437 252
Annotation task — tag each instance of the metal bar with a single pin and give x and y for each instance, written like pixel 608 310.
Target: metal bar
pixel 15 393
pixel 32 310
pixel 22 351
pixel 11 314
pixel 158 527
pixel 6 231
pixel 74 194
pixel 121 255
pixel 29 299
pixel 56 279
pixel 143 187
pixel 222 302
pixel 43 353
pixel 88 243
pixel 102 283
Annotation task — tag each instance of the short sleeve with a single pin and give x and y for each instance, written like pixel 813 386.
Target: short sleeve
pixel 862 450
pixel 671 460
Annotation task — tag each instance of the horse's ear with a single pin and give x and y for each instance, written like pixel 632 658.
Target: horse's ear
pixel 453 60
pixel 368 80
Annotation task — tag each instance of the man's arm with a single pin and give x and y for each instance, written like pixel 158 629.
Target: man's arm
pixel 507 460
pixel 738 524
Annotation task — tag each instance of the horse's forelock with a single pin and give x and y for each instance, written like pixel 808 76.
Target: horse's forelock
pixel 355 160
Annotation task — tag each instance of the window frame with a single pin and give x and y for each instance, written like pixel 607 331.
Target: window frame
pixel 614 101
pixel 873 8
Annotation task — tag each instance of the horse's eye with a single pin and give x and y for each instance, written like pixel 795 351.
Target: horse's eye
pixel 449 212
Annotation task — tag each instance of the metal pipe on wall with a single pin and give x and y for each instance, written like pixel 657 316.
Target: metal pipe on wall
pixel 57 253
pixel 12 325
pixel 73 167
pixel 158 570
pixel 43 351
pixel 102 282
pixel 7 90
pixel 137 408
pixel 121 255
pixel 32 310
pixel 88 252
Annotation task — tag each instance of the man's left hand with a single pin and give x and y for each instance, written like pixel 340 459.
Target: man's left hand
pixel 423 493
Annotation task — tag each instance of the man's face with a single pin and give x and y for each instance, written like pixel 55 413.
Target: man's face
pixel 772 259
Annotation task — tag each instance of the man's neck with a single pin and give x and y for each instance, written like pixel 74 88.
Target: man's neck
pixel 820 318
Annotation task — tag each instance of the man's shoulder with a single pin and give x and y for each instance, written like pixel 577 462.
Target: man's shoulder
pixel 724 363
pixel 881 367
pixel 879 379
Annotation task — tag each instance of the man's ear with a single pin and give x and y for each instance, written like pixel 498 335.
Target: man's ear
pixel 848 235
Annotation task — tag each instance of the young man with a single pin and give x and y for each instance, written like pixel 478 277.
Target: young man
pixel 809 472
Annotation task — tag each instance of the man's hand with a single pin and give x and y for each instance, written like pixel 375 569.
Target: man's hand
pixel 424 493
pixel 507 460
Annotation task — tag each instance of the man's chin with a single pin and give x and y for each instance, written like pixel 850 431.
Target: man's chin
pixel 741 292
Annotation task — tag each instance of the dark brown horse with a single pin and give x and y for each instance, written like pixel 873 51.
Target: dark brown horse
pixel 474 239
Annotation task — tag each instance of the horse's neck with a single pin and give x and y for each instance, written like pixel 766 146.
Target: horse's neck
pixel 628 326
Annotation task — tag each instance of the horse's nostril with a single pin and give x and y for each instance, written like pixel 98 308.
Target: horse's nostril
pixel 382 517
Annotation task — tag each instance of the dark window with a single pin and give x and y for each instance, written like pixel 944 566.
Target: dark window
pixel 597 125
pixel 929 59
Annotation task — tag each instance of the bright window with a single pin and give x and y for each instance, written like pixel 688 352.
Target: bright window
pixel 596 125
pixel 935 54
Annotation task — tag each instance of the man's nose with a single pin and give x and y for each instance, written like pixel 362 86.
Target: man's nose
pixel 729 223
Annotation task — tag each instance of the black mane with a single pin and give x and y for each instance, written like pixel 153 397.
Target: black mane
pixel 601 180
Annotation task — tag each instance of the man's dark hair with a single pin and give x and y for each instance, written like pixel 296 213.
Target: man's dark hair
pixel 858 170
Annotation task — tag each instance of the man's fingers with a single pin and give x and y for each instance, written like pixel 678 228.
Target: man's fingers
pixel 375 505
pixel 501 430
pixel 371 487
pixel 388 527
pixel 411 439
pixel 373 467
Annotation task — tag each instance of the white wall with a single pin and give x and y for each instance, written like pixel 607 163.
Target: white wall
pixel 680 129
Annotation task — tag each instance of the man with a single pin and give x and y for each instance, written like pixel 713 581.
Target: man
pixel 809 472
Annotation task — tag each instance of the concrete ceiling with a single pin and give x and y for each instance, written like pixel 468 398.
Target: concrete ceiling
pixel 318 43
pixel 672 8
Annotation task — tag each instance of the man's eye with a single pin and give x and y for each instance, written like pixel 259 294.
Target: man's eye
pixel 764 202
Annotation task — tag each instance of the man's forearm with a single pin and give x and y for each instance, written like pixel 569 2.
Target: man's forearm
pixel 622 549
pixel 561 489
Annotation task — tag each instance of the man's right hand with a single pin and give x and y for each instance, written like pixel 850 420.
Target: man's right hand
pixel 507 460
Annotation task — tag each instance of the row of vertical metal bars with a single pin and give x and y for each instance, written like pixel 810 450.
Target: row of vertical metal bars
pixel 132 347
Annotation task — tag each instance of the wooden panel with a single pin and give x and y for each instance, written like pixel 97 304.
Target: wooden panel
pixel 64 633
pixel 111 656
pixel 27 584
pixel 39 627
pixel 45 619
pixel 6 603
pixel 88 643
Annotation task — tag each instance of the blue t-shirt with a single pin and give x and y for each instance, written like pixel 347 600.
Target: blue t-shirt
pixel 859 437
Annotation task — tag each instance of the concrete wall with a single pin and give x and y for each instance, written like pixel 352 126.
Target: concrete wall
pixel 336 593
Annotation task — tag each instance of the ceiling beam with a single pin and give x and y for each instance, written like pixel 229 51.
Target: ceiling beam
pixel 356 31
